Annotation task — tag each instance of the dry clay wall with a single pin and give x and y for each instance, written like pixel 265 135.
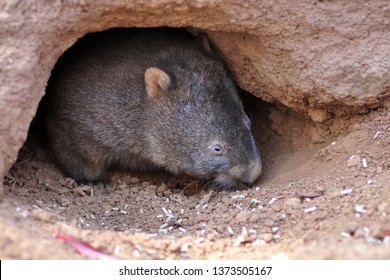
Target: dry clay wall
pixel 316 57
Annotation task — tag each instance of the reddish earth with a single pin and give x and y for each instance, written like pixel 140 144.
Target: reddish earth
pixel 315 200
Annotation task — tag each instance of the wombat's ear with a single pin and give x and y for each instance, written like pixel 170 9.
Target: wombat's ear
pixel 157 82
pixel 204 44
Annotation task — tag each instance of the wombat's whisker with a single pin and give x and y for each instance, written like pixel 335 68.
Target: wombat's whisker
pixel 208 183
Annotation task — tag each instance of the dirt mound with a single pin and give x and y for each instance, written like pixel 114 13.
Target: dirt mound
pixel 326 200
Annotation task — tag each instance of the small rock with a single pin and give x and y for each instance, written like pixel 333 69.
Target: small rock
pixel 263 192
pixel 134 189
pixel 354 160
pixel 320 189
pixel 268 237
pixel 351 228
pixel 152 188
pixel 292 202
pixel 83 191
pixel 162 188
pixel 377 233
pixel 22 212
pixel 360 209
pixel 275 207
pixel 275 229
pixel 63 190
pixel 359 233
pixel 226 200
pixel 64 201
pixel 167 192
pixel 269 222
pixel 374 241
pixel 122 186
pixel 134 180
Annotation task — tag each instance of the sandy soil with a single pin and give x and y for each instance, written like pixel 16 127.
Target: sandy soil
pixel 315 200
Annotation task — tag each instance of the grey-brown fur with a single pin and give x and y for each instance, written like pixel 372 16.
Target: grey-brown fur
pixel 97 114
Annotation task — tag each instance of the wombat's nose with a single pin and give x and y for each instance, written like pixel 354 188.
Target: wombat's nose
pixel 254 171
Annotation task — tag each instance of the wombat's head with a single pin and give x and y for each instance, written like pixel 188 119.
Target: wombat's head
pixel 198 125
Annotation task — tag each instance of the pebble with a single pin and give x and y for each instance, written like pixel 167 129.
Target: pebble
pixel 83 191
pixel 377 233
pixel 293 202
pixel 268 237
pixel 351 228
pixel 167 192
pixel 145 184
pixel 354 160
pixel 122 187
pixel 22 212
pixel 134 189
pixel 276 208
pixel 226 200
pixel 275 229
pixel 268 222
pixel 360 209
pixel 162 188
pixel 135 180
pixel 64 201
pixel 359 233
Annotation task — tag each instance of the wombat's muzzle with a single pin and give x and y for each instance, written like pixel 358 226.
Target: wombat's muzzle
pixel 243 174
pixel 253 172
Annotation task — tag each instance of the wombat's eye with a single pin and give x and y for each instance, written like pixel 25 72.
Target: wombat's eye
pixel 217 149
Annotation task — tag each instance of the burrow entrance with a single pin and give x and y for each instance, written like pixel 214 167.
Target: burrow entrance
pixel 297 207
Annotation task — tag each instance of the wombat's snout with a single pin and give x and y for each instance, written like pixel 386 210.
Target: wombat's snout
pixel 247 174
pixel 241 175
pixel 254 171
pixel 253 168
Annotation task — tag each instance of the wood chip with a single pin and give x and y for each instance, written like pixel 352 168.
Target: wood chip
pixel 347 191
pixel 311 209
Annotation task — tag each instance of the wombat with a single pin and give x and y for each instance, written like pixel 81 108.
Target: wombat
pixel 144 99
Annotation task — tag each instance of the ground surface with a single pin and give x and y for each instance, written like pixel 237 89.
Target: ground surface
pixel 315 201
